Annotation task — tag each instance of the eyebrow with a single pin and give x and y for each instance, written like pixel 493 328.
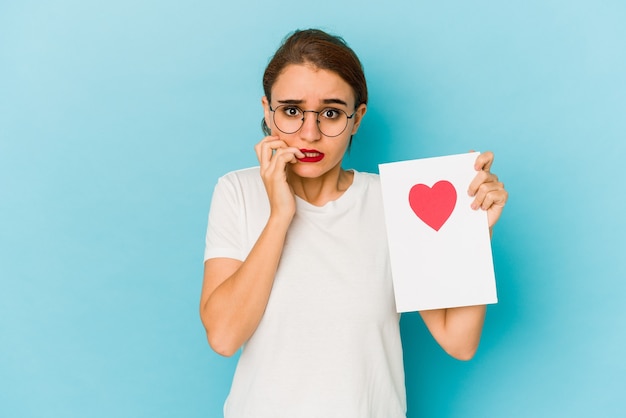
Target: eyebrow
pixel 325 101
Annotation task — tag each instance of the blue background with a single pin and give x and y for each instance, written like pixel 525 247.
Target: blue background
pixel 117 117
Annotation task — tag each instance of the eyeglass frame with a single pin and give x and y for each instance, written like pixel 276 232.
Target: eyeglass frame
pixel 316 118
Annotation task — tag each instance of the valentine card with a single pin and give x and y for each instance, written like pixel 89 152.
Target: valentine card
pixel 439 247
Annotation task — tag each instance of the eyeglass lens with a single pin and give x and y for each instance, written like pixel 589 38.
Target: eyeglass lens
pixel 330 121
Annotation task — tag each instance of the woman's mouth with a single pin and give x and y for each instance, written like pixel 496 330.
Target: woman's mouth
pixel 311 156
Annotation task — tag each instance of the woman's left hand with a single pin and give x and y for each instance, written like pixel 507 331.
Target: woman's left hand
pixel 487 190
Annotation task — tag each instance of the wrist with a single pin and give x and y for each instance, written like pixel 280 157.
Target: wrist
pixel 280 219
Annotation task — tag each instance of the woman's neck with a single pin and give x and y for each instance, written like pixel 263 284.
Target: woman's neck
pixel 320 190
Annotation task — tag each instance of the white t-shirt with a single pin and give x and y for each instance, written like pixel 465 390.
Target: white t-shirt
pixel 328 345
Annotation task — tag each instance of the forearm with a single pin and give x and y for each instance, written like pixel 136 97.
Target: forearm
pixel 233 310
pixel 457 330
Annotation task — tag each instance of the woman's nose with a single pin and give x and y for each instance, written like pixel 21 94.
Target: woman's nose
pixel 310 130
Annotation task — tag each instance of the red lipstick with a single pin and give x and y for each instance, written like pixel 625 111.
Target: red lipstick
pixel 311 156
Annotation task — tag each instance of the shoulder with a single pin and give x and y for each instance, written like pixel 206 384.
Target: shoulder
pixel 243 187
pixel 366 186
pixel 367 178
pixel 241 180
pixel 367 181
pixel 242 176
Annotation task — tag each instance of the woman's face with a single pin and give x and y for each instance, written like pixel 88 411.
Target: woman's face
pixel 312 89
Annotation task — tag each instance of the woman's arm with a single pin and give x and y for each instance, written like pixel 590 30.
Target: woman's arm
pixel 458 330
pixel 235 293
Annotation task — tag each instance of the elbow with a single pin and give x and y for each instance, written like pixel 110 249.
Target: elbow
pixel 222 346
pixel 463 353
pixel 219 336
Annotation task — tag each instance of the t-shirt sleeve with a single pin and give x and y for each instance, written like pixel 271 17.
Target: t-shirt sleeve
pixel 224 236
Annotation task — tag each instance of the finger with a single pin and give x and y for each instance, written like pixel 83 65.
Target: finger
pixel 267 148
pixel 488 194
pixel 483 190
pixel 258 147
pixel 494 206
pixel 480 178
pixel 493 214
pixel 267 139
pixel 279 160
pixel 496 198
pixel 282 156
pixel 484 161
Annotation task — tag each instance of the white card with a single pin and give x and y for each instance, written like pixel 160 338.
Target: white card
pixel 440 248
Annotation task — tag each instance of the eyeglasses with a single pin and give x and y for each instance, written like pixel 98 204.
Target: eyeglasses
pixel 330 121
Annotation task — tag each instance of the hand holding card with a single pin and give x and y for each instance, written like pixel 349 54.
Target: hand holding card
pixel 439 247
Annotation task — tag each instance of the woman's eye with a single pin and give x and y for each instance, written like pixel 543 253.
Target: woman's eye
pixel 291 111
pixel 330 113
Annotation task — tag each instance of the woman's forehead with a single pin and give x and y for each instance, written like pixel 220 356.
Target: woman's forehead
pixel 303 82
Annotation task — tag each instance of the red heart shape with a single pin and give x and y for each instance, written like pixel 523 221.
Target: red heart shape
pixel 433 205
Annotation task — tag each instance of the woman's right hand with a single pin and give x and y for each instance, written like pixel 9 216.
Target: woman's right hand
pixel 235 293
pixel 274 154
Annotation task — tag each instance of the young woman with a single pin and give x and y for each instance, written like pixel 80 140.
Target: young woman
pixel 296 261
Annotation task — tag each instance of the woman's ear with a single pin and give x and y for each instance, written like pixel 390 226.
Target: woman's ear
pixel 358 117
pixel 266 111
